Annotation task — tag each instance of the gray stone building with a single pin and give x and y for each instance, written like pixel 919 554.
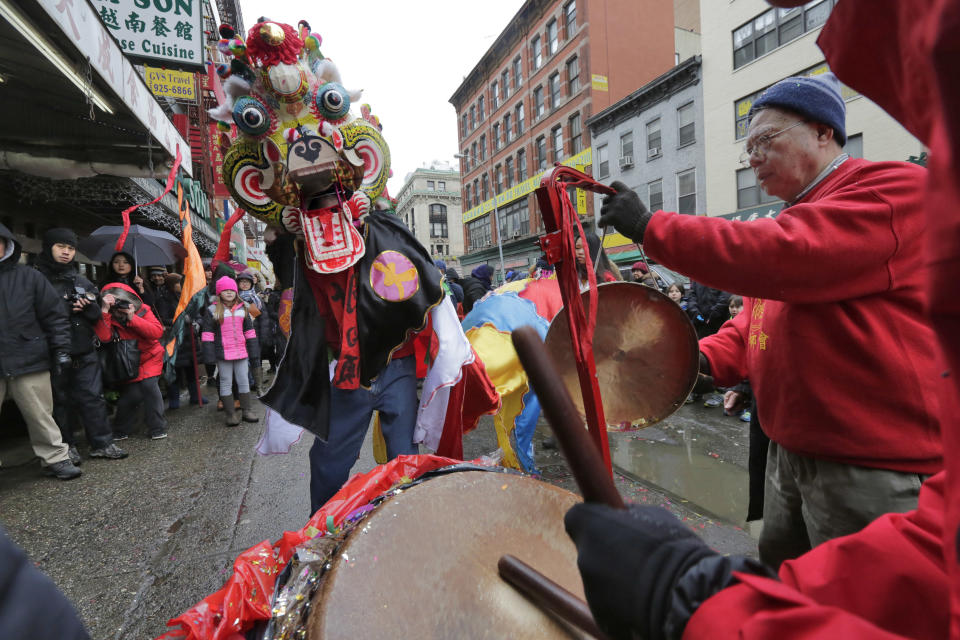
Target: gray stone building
pixel 653 142
pixel 429 204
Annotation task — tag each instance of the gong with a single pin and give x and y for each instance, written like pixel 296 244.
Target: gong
pixel 645 349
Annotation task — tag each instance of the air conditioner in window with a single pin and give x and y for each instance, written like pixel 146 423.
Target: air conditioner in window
pixel 516 234
pixel 653 152
pixel 626 161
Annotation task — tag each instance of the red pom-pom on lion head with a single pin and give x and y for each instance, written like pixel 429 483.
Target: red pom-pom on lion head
pixel 270 43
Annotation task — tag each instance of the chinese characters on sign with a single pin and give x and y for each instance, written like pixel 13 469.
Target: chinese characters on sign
pixel 167 83
pixel 167 30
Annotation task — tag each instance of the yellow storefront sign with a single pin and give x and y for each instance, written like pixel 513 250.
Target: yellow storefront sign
pixel 526 187
pixel 167 83
pixel 598 82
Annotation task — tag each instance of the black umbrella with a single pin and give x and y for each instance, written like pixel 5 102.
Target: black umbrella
pixel 147 246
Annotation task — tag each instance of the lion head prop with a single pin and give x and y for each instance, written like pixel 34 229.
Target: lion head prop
pixel 300 159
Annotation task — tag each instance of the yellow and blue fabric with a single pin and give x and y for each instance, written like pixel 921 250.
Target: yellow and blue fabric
pixel 488 327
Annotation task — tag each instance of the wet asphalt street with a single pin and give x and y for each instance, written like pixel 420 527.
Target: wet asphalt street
pixel 135 542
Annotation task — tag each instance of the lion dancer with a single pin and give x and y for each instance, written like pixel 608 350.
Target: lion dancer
pixel 362 286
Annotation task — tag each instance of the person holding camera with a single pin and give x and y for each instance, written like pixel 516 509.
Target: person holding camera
pixel 34 338
pixel 78 388
pixel 126 317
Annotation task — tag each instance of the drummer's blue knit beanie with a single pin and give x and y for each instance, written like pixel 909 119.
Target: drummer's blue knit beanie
pixel 816 98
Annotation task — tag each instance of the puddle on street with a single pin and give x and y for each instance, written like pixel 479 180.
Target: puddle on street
pixel 707 484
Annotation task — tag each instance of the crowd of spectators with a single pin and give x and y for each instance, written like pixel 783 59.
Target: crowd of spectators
pixel 86 363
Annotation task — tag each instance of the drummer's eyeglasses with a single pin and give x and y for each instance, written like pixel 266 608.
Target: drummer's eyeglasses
pixel 761 145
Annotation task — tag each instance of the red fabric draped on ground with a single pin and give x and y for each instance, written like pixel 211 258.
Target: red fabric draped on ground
pixel 245 598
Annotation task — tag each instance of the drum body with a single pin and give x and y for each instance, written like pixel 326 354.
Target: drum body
pixel 423 564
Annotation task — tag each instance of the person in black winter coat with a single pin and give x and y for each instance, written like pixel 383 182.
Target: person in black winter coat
pixel 78 388
pixel 476 285
pixel 708 308
pixel 31 606
pixel 453 279
pixel 123 268
pixel 34 338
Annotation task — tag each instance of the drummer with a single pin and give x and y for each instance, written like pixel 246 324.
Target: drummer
pixel 833 336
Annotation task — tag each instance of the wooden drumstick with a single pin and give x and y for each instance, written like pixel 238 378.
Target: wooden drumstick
pixel 579 450
pixel 548 595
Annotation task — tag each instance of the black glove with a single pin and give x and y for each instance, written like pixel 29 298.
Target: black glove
pixel 630 561
pixel 625 212
pixel 704 383
pixel 61 361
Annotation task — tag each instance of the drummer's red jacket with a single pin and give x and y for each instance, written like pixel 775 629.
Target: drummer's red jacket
pixel 835 342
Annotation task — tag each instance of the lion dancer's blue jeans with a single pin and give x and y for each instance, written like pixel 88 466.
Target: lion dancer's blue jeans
pixel 394 395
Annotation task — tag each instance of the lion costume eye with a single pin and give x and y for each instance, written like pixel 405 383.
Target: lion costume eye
pixel 332 101
pixel 251 116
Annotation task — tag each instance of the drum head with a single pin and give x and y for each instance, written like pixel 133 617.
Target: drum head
pixel 424 564
pixel 646 353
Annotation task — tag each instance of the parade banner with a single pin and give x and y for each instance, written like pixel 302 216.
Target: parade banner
pixel 167 83
pixel 166 30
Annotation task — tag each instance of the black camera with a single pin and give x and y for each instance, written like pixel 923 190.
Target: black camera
pixel 79 293
pixel 122 304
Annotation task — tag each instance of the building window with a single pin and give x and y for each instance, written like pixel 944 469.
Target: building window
pixel 478 232
pixel 476 192
pixel 517 73
pixel 570 16
pixel 553 41
pixel 463 125
pixel 654 144
pixel 508 171
pixel 466 194
pixel 431 185
pixel 573 76
pixel 686 127
pixel 441 186
pixel 520 122
pixel 776 27
pixel 473 117
pixel 557 136
pixel 514 220
pixel 603 162
pixel 554 85
pixel 854 146
pixel 483 147
pixel 495 95
pixel 505 83
pixel 655 195
pixel 507 127
pixel 626 147
pixel 496 135
pixel 576 135
pixel 687 192
pixel 536 48
pixel 473 153
pixel 485 185
pixel 438 221
pixel 538 109
pixel 749 194
pixel 498 179
pixel 480 112
pixel 521 165
pixel 413 220
pixel 541 146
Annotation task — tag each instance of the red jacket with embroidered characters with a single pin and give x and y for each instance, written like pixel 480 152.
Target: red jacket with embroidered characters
pixel 835 341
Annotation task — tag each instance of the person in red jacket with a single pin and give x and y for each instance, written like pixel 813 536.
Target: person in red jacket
pixel 835 334
pixel 899 577
pixel 124 313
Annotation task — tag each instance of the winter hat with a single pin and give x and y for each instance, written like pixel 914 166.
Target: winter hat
pixel 483 272
pixel 226 283
pixel 639 266
pixel 440 264
pixel 59 235
pixel 816 98
pixel 160 270
pixel 246 275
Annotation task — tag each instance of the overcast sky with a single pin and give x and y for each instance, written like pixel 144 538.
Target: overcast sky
pixel 408 57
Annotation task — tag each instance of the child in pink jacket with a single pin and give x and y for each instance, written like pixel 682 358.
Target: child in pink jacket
pixel 229 339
